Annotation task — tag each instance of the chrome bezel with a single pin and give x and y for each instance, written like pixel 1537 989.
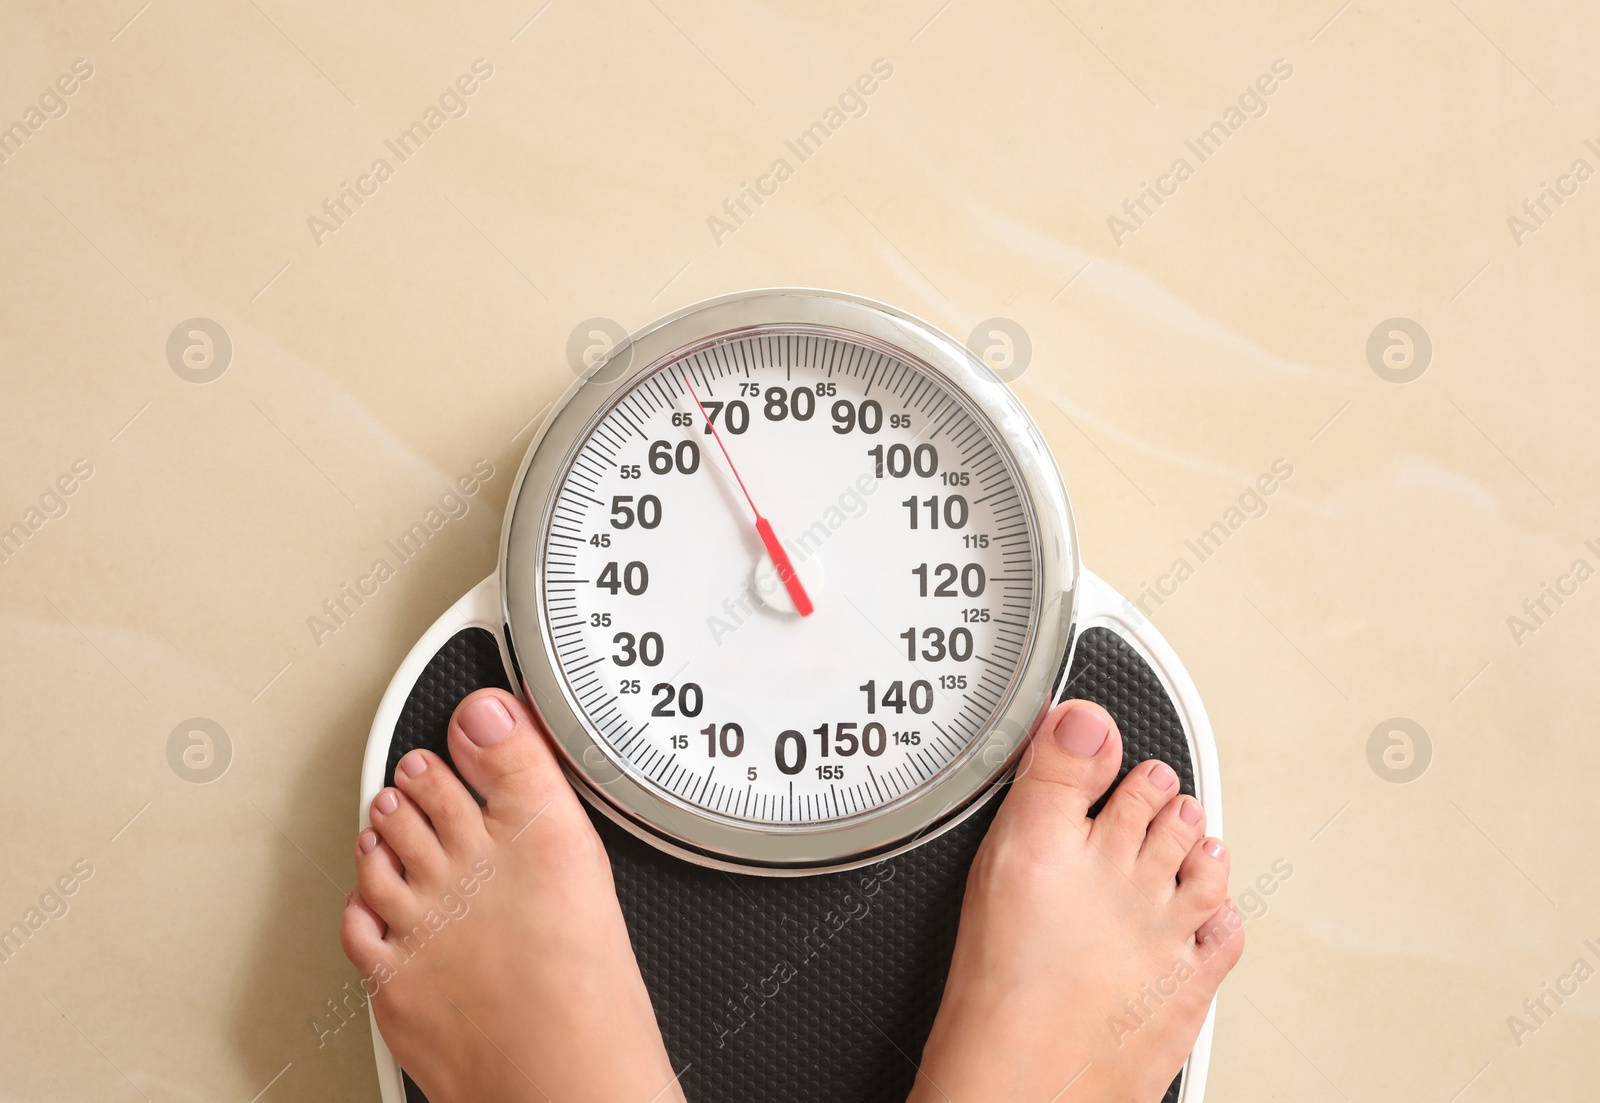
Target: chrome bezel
pixel 706 837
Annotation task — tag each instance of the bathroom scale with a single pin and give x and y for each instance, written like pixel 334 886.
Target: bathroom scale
pixel 788 578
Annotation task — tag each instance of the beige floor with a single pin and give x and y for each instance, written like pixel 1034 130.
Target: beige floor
pixel 1176 356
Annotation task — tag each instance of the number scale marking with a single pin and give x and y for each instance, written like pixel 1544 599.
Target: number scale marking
pixel 649 538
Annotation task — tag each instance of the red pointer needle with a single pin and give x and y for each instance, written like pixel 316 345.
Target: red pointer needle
pixel 780 558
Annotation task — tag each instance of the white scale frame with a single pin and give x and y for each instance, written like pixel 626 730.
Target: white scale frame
pixel 1093 604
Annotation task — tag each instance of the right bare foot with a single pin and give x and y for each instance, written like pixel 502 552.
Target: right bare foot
pixel 1089 950
pixel 490 939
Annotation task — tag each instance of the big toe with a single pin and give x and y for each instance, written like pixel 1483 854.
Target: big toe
pixel 499 751
pixel 1069 764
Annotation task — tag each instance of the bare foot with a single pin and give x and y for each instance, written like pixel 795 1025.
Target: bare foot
pixel 1089 950
pixel 492 937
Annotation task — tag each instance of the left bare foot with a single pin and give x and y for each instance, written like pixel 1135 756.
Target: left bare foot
pixel 493 936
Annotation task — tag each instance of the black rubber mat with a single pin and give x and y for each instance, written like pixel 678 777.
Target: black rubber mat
pixel 809 989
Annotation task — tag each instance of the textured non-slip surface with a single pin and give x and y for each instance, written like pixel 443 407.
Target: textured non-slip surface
pixel 802 990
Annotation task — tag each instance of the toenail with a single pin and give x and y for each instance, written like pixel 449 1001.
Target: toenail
pixel 486 722
pixel 1215 849
pixel 1083 731
pixel 366 841
pixel 387 802
pixel 414 763
pixel 1162 777
pixel 1189 812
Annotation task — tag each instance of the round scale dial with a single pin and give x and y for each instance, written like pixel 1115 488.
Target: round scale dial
pixel 788 578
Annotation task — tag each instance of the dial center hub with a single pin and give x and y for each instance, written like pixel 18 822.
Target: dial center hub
pixel 770 588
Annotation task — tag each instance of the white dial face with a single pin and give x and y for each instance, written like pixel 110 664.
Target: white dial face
pixel 683 644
